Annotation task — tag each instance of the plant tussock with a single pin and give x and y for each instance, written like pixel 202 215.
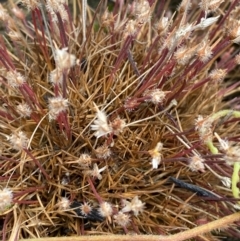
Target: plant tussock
pixel 118 120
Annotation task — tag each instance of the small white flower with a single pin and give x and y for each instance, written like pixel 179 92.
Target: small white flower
pixel 64 60
pixel 100 125
pixel 218 74
pixel 6 197
pixel 156 96
pixel 196 164
pixel 24 110
pixel 56 106
pixel 96 172
pixel 103 152
pixel 204 128
pixel 85 208
pixel 64 203
pixel 56 77
pixel 19 141
pixel 15 79
pixel 226 181
pixel 231 150
pixel 117 125
pixel 105 209
pixel 122 219
pixel 84 160
pixel 135 205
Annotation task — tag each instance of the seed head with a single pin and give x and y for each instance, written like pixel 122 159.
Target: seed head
pixel 84 160
pixel 96 172
pixel 107 18
pixel 204 52
pixel 6 197
pixel 135 205
pixel 103 152
pixel 210 5
pixel 64 60
pixel 156 96
pixel 56 77
pixel 218 74
pixel 117 125
pixel 204 127
pixel 162 25
pixel 100 125
pixel 142 10
pixel 24 110
pixel 130 104
pixel 130 29
pixel 184 54
pixel 15 79
pixel 234 30
pixel 196 164
pixel 231 150
pixel 56 106
pixel 184 6
pixel 105 209
pixel 19 141
pixel 64 203
pixel 122 219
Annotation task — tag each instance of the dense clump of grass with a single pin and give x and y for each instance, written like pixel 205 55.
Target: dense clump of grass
pixel 116 123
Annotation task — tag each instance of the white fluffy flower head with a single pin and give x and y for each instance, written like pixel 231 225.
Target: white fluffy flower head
pixel 6 197
pixel 24 110
pixel 56 106
pixel 100 125
pixel 19 141
pixel 64 60
pixel 135 205
pixel 96 172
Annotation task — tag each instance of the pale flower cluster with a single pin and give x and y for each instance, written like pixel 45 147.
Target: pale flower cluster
pixel 6 197
pixel 56 106
pixel 63 59
pixel 100 125
pixel 105 209
pixel 135 206
pixel 57 6
pixel 19 141
pixel 15 79
pixel 204 128
pixel 156 96
pixel 24 110
pixel 231 150
pixel 196 164
pixel 64 203
pixel 122 219
pixel 96 172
